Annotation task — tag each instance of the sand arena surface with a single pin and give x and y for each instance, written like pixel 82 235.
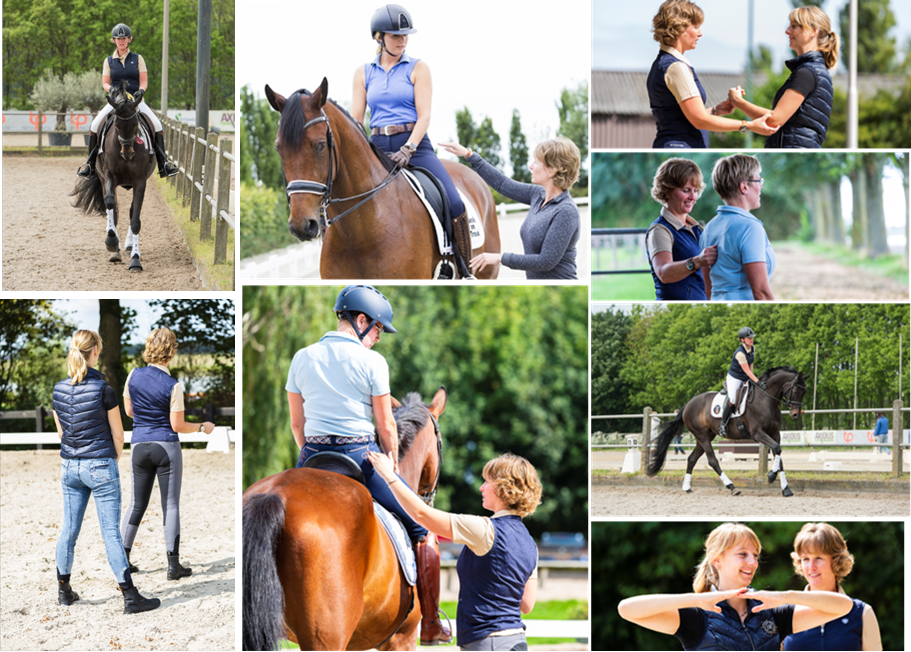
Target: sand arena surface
pixel 717 502
pixel 196 613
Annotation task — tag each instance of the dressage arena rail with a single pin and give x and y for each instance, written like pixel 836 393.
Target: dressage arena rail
pixel 628 244
pixel 201 159
pixel 651 423
pixel 80 122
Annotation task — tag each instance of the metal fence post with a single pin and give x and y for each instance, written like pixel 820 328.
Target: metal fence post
pixel 898 433
pixel 646 435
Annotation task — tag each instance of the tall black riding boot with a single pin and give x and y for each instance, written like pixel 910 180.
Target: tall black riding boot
pixel 461 246
pixel 725 417
pixel 165 167
pixel 65 593
pixel 87 169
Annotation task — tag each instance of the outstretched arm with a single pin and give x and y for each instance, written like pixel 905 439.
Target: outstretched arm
pixel 812 608
pixel 787 106
pixel 661 612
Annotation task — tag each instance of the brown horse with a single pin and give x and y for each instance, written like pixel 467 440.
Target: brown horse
pixel 386 231
pixel 318 567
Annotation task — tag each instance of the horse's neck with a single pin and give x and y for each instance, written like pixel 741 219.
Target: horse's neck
pixel 778 382
pixel 359 170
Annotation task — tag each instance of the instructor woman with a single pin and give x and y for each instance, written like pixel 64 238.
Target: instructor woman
pixel 497 568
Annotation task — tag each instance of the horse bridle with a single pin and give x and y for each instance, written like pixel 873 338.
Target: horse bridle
pixel 297 186
pixel 126 141
pixel 429 495
pixel 786 395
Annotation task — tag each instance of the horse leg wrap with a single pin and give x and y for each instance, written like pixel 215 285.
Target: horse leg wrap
pixel 725 480
pixel 133 239
pixel 776 465
pixel 784 481
pixel 111 226
pixel 111 241
pixel 687 481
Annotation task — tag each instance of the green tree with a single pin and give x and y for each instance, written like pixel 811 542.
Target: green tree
pixel 259 162
pixel 875 48
pixel 465 128
pixel 518 150
pixel 487 143
pixel 573 111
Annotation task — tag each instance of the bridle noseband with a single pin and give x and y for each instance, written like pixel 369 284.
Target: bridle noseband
pixel 124 142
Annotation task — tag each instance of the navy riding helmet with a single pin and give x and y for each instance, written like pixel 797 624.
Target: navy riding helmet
pixel 391 19
pixel 121 31
pixel 365 299
pixel 746 331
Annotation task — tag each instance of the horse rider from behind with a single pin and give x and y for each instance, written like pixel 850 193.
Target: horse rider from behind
pixel 336 389
pixel 741 370
pixel 126 65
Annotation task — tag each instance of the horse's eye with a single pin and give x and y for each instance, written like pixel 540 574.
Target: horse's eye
pixel 320 147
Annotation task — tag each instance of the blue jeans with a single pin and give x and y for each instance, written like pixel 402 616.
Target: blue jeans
pixel 82 478
pixel 883 439
pixel 375 484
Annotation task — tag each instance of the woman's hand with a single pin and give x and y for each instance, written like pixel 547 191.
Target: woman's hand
pixel 761 126
pixel 455 148
pixel 724 108
pixel 709 601
pixel 481 261
pixel 735 94
pixel 208 427
pixel 709 256
pixel 384 465
pixel 402 156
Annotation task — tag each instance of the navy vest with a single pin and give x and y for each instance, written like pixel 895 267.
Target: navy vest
pixel 150 393
pixel 725 631
pixel 128 70
pixel 491 587
pixel 674 130
pixel 86 431
pixel 845 633
pixel 686 245
pixel 736 370
pixel 807 127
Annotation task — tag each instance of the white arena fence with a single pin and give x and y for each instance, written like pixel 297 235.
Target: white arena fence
pixel 854 438
pixel 218 441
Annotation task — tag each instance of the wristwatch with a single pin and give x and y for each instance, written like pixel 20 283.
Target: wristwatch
pixel 691 265
pixel 202 427
pixel 743 127
pixel 411 146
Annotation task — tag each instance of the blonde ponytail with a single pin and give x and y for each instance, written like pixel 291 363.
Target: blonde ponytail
pixel 80 351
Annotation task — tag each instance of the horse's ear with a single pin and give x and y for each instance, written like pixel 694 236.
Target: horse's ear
pixel 276 101
pixel 111 101
pixel 395 402
pixel 323 92
pixel 438 404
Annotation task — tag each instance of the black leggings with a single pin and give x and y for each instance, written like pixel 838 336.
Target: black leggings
pixel 164 459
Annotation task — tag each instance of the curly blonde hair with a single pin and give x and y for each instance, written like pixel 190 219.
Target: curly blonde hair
pixel 161 346
pixel 563 157
pixel 809 18
pixel 822 538
pixel 515 482
pixel 672 19
pixel 80 351
pixel 675 173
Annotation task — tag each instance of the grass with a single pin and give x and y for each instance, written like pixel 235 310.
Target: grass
pixel 889 265
pixel 623 287
pixel 751 475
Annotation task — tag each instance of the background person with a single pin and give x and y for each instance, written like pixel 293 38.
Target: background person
pixel 881 431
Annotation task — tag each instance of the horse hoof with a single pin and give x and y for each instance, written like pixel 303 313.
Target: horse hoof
pixel 115 257
pixel 734 490
pixel 786 492
pixel 112 242
pixel 772 476
pixel 135 266
pixel 689 491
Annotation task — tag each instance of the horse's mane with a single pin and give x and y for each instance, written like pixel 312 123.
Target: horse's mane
pixel 293 119
pixel 410 419
pixel 768 372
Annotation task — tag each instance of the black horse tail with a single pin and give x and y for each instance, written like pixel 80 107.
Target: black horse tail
pixel 263 599
pixel 665 435
pixel 89 195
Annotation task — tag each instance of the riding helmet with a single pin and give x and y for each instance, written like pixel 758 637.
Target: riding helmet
pixel 120 31
pixel 746 331
pixel 391 19
pixel 368 300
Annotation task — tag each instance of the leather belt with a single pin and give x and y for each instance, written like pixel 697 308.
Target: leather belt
pixel 391 130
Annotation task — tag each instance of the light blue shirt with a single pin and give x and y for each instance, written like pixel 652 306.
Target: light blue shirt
pixel 741 239
pixel 390 95
pixel 337 378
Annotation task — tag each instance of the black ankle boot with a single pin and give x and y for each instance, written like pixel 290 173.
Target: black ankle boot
pixel 175 570
pixel 65 593
pixel 133 603
pixel 130 566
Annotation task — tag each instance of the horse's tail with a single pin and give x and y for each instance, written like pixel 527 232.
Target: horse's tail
pixel 89 196
pixel 263 599
pixel 665 435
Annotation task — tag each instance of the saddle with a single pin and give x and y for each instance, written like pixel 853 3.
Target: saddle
pixel 433 195
pixel 740 406
pixel 340 463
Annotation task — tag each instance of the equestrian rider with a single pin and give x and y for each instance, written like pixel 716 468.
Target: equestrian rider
pixel 398 91
pixel 129 66
pixel 740 371
pixel 342 383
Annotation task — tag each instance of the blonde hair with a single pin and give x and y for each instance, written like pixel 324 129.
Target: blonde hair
pixel 515 482
pixel 729 172
pixel 809 18
pixel 161 346
pixel 675 173
pixel 672 19
pixel 80 351
pixel 722 538
pixel 562 156
pixel 822 538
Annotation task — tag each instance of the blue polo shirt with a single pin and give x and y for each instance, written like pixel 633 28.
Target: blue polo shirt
pixel 741 239
pixel 390 95
pixel 337 378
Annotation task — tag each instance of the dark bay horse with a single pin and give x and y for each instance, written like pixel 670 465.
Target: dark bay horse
pixel 126 160
pixel 387 234
pixel 761 422
pixel 318 567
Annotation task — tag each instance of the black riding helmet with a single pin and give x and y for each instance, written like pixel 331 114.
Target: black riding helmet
pixel 121 30
pixel 746 331
pixel 391 19
pixel 365 299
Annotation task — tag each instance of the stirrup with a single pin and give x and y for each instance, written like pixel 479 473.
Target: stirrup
pixel 86 171
pixel 168 170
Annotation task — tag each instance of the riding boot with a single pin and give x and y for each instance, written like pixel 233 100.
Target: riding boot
pixel 165 167
pixel 462 245
pixel 175 570
pixel 134 603
pixel 433 632
pixel 87 169
pixel 65 593
pixel 725 417
pixel 133 569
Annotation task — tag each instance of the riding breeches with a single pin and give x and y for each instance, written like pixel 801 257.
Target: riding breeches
pixel 150 459
pixel 143 108
pixel 732 385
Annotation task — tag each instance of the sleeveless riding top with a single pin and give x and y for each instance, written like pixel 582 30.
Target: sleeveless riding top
pixel 82 411
pixel 127 69
pixel 337 378
pixel 150 392
pixel 845 633
pixel 390 95
pixel 686 246
pixel 736 370
pixel 674 130
pixel 808 126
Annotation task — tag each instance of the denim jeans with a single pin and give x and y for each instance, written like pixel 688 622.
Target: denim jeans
pixel 882 439
pixel 82 478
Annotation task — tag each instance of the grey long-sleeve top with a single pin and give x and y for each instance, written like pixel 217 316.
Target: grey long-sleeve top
pixel 549 233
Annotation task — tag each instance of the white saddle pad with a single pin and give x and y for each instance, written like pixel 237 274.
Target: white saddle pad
pixel 718 404
pixel 400 541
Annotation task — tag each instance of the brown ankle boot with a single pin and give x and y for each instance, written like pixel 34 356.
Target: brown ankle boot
pixel 462 245
pixel 433 632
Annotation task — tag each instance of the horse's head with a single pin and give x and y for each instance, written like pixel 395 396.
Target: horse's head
pixel 794 393
pixel 304 143
pixel 789 386
pixel 126 120
pixel 420 444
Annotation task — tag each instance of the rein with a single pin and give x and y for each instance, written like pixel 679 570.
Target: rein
pixel 786 394
pixel 431 493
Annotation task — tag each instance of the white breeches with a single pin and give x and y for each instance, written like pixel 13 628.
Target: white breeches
pixel 732 385
pixel 99 119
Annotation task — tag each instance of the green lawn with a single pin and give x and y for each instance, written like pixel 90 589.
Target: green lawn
pixel 623 287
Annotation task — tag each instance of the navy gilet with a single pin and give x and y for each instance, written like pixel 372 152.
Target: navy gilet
pixel 686 245
pixel 150 394
pixel 736 370
pixel 491 586
pixel 86 431
pixel 674 130
pixel 845 633
pixel 807 127
pixel 128 70
pixel 725 631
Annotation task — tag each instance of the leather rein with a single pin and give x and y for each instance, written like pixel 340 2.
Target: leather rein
pixel 786 394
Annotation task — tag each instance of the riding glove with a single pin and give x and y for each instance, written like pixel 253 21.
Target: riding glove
pixel 402 156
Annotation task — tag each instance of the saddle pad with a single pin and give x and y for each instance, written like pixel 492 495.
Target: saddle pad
pixel 718 404
pixel 400 542
pixel 474 220
pixel 144 133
